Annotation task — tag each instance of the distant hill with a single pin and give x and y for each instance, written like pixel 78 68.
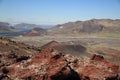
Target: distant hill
pixel 35 32
pixel 22 29
pixel 23 26
pixel 7 30
pixel 4 26
pixel 89 26
pixel 26 26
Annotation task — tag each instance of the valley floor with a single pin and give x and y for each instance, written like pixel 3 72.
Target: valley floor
pixel 85 40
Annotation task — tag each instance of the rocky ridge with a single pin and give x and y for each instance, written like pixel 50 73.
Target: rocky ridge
pixel 86 27
pixel 51 64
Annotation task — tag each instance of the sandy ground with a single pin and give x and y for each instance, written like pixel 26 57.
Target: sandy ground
pixel 85 40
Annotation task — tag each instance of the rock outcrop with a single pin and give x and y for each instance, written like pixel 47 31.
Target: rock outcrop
pixel 51 64
pixel 12 52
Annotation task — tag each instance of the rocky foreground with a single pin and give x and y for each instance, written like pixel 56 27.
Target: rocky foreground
pixel 23 62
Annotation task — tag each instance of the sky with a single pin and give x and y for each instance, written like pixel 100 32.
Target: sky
pixel 57 11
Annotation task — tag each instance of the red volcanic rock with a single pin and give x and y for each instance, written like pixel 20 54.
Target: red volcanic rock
pixel 51 64
pixel 97 57
pixel 12 52
pixel 46 65
pixel 96 68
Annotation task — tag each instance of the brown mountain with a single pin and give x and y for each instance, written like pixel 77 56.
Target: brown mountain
pixel 90 26
pixel 36 32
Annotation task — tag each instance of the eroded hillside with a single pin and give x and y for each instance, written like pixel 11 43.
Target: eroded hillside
pixel 50 63
pixel 95 27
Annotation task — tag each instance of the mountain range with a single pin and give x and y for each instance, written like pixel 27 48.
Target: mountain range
pixel 89 26
pixel 26 26
pixel 93 26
